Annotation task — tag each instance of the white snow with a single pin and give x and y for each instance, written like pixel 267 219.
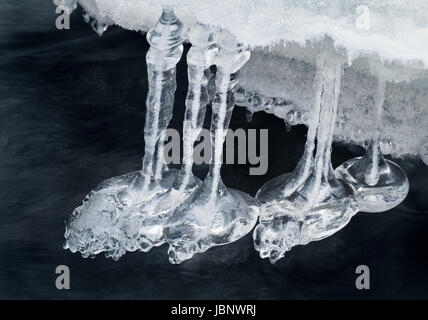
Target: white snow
pixel 398 29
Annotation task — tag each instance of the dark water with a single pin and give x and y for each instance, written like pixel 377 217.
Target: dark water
pixel 71 115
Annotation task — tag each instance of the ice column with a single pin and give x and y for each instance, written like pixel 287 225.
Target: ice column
pixel 379 184
pixel 166 48
pixel 199 59
pixel 214 215
pixel 110 219
pixel 310 203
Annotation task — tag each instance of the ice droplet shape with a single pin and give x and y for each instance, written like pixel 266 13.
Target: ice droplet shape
pixel 379 184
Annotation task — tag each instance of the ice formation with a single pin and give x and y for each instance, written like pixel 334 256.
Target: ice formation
pixel 310 203
pixel 350 70
pixel 143 209
pixel 125 208
pixel 394 31
pixel 379 184
pixel 215 215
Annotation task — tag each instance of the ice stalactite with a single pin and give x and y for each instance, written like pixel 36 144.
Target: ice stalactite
pixel 310 203
pixel 166 48
pixel 98 25
pixel 379 184
pixel 90 13
pixel 214 215
pixel 249 115
pixel 199 59
pixel 151 216
pixel 106 221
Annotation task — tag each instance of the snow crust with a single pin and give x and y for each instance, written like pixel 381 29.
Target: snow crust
pixel 396 30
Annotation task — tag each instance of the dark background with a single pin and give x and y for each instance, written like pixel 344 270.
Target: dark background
pixel 72 109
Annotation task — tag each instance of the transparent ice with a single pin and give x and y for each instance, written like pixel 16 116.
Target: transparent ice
pixel 142 209
pixel 298 41
pixel 154 214
pixel 310 203
pixel 379 184
pixel 301 24
pixel 112 218
pixel 214 214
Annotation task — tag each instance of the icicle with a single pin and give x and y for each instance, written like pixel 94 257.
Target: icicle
pixel 371 174
pixel 222 112
pixel 199 59
pixel 228 65
pixel 151 216
pixel 386 146
pixel 98 26
pixel 310 203
pixel 97 23
pixel 379 184
pixel 290 182
pixel 166 48
pixel 293 117
pixel 214 215
pixel 110 218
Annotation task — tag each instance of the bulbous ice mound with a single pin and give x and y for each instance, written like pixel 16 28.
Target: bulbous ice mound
pixel 379 27
pixel 106 222
pixel 204 221
pixel 310 203
pixel 379 184
pixel 286 222
pixel 388 192
pixel 152 215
